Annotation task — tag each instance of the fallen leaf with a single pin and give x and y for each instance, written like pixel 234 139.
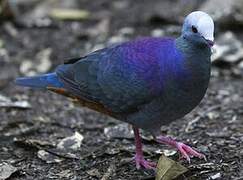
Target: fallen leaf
pixel 48 157
pixel 6 102
pixel 6 170
pixel 216 176
pixel 69 14
pixel 168 169
pixel 71 143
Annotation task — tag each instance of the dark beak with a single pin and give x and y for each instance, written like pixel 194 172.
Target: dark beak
pixel 210 43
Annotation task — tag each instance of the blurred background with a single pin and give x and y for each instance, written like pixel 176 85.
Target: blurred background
pixel 41 132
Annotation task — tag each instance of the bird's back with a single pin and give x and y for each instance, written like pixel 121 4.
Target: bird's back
pixel 123 77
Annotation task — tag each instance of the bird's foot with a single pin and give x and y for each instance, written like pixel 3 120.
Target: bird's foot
pixel 141 162
pixel 186 151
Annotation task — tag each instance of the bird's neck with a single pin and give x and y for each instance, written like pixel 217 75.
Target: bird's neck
pixel 196 56
pixel 197 63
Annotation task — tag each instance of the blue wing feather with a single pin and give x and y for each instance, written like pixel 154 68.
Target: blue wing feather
pixel 121 77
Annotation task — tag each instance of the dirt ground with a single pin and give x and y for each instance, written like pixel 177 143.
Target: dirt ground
pixel 214 128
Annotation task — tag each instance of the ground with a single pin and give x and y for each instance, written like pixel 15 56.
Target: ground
pixel 214 128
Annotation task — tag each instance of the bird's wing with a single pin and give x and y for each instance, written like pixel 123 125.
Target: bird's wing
pixel 121 78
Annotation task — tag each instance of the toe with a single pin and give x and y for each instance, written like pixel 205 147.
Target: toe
pixel 140 162
pixel 194 153
pixel 187 151
pixel 149 165
pixel 183 152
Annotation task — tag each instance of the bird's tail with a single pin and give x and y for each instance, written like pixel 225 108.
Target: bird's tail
pixel 40 82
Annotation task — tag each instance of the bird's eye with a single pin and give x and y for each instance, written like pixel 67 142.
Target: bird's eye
pixel 194 29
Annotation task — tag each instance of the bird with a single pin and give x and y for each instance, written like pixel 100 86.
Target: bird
pixel 147 82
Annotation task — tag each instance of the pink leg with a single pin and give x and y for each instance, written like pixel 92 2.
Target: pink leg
pixel 139 159
pixel 185 150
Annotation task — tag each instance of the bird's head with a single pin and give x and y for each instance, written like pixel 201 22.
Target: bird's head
pixel 198 27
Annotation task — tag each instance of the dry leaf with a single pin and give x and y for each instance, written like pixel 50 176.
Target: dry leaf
pixel 6 102
pixel 168 169
pixel 71 143
pixel 69 14
pixel 48 157
pixel 6 170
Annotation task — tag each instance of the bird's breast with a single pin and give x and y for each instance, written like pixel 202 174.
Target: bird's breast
pixel 186 90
